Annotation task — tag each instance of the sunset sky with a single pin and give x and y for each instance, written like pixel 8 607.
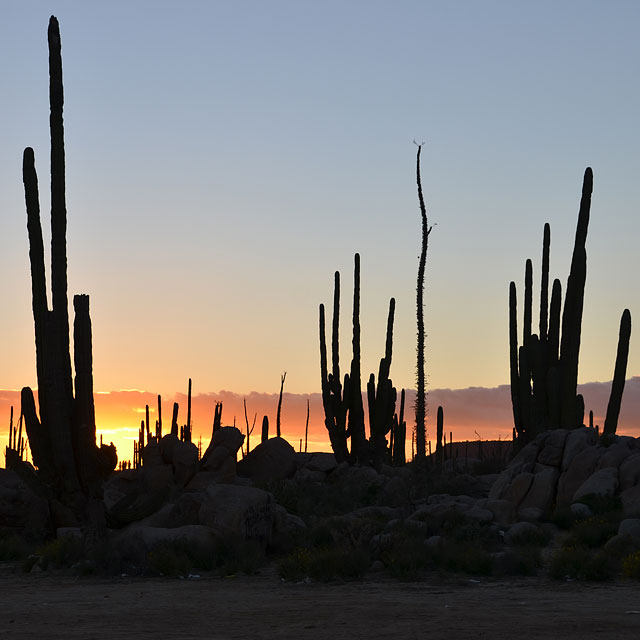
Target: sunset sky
pixel 225 158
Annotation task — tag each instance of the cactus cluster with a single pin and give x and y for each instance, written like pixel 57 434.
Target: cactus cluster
pixel 63 437
pixel 544 368
pixel 342 398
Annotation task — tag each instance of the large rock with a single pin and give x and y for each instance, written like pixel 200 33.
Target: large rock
pixel 630 527
pixel 629 472
pixel 631 502
pixel 273 459
pixel 580 468
pixel 577 441
pixel 542 491
pixel 232 510
pixel 134 543
pixel 21 510
pixel 603 482
pixel 614 455
pixel 182 456
pixel 552 450
pixel 220 457
pixel 325 462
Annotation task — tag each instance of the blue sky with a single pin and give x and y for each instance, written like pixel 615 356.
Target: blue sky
pixel 224 158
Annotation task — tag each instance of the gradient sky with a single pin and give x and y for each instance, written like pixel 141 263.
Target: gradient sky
pixel 224 158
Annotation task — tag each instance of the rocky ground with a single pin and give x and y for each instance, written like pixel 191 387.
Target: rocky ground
pixel 262 606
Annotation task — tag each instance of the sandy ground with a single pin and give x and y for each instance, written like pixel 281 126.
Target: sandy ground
pixel 49 606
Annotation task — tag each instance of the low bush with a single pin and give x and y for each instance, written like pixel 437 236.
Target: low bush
pixel 61 552
pixel 592 532
pixel 324 564
pixel 13 547
pixel 520 561
pixel 631 565
pixel 581 563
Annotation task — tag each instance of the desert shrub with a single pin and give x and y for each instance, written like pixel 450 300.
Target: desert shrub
pixel 592 532
pixel 610 506
pixel 13 547
pixel 466 557
pixel 531 538
pixel 169 559
pixel 407 556
pixel 235 555
pixel 564 518
pixel 631 565
pixel 579 562
pixel 324 564
pixel 61 552
pixel 521 561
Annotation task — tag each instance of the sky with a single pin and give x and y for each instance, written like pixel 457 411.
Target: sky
pixel 225 158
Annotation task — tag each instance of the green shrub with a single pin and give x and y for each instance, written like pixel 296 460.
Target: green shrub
pixel 13 547
pixel 407 556
pixel 169 559
pixel 631 565
pixel 564 518
pixel 531 538
pixel 324 564
pixel 521 561
pixel 592 532
pixel 603 505
pixel 466 557
pixel 581 563
pixel 61 552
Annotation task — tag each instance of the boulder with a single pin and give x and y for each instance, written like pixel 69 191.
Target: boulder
pixel 614 456
pixel 580 510
pixel 185 462
pixel 151 455
pixel 220 457
pixel 552 450
pixel 603 482
pixel 308 475
pixel 577 441
pixel 21 510
pixel 580 468
pixel 631 528
pixel 232 510
pixel 273 459
pixel 521 532
pixel 503 511
pixel 325 462
pixel 134 543
pixel 629 472
pixel 542 491
pixel 631 502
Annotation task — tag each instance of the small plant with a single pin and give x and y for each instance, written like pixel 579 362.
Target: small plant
pixel 324 564
pixel 523 561
pixel 631 565
pixel 467 557
pixel 407 556
pixel 13 547
pixel 579 562
pixel 61 552
pixel 169 559
pixel 592 532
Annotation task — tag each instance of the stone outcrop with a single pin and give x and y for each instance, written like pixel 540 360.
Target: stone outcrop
pixel 562 467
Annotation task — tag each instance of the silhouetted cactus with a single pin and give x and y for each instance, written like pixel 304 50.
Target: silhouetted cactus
pixel 421 399
pixel 283 377
pixel 62 439
pixel 356 410
pixel 439 435
pixel 265 429
pixel 382 398
pixel 174 420
pixel 544 375
pixel 620 371
pixel 399 435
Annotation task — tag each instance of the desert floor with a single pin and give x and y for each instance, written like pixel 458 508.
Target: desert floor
pixel 261 606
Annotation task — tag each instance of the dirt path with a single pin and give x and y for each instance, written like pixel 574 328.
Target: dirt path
pixel 45 606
